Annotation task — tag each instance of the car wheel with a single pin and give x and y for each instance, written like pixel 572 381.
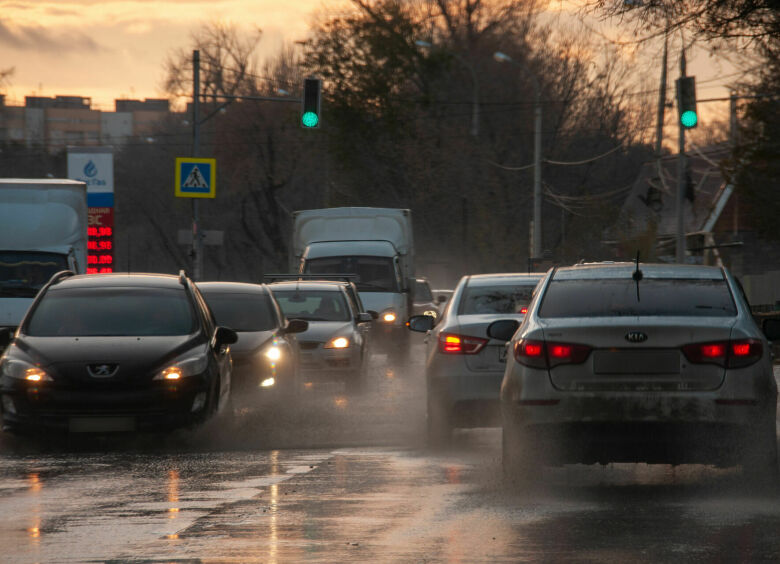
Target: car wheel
pixel 439 424
pixel 759 464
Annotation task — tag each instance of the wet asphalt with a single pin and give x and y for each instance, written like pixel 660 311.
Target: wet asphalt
pixel 347 478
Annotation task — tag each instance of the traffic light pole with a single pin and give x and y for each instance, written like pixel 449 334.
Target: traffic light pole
pixel 680 246
pixel 197 240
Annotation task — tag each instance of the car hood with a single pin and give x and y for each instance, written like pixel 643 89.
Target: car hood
pixel 322 331
pixel 68 357
pixel 249 341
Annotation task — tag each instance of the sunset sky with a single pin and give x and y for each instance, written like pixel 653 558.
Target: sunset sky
pixel 107 49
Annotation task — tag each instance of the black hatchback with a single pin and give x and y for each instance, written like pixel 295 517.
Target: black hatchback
pixel 115 352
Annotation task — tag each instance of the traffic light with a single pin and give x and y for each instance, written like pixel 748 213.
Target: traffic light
pixel 686 101
pixel 310 112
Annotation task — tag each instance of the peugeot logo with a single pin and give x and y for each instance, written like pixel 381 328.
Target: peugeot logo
pixel 102 370
pixel 636 337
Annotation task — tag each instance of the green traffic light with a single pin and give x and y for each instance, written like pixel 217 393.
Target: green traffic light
pixel 310 119
pixel 689 119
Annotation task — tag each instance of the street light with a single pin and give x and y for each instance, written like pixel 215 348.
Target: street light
pixel 475 83
pixel 536 243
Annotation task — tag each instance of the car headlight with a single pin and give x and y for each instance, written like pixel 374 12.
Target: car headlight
pixel 273 353
pixel 337 343
pixel 388 316
pixel 183 367
pixel 23 370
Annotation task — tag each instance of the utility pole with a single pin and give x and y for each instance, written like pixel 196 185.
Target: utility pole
pixel 659 127
pixel 197 243
pixel 680 247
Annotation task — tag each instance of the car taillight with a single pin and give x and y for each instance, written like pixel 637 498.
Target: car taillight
pixel 729 354
pixel 449 343
pixel 523 310
pixel 540 354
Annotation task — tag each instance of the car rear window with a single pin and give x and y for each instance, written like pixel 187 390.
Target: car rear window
pixel 313 305
pixel 107 312
pixel 649 297
pixel 242 312
pixel 502 298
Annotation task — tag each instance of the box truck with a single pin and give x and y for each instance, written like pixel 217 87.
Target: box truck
pixel 43 229
pixel 375 246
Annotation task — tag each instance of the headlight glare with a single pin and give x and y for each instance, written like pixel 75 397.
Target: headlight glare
pixel 337 343
pixel 22 370
pixel 388 316
pixel 183 367
pixel 273 353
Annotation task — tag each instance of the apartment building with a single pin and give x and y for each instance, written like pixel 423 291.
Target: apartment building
pixel 70 120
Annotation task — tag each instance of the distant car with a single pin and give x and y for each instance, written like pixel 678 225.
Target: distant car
pixel 115 352
pixel 423 302
pixel 336 344
pixel 656 363
pixel 464 368
pixel 441 297
pixel 265 357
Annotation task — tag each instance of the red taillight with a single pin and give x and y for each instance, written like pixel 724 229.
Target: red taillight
pixel 547 355
pixel 449 343
pixel 731 354
pixel 523 310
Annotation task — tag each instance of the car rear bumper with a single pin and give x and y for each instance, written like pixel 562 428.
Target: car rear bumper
pixel 156 408
pixel 652 442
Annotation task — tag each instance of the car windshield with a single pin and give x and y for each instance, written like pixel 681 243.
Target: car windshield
pixel 501 299
pixel 23 273
pixel 242 312
pixel 372 274
pixel 313 305
pixel 114 311
pixel 625 297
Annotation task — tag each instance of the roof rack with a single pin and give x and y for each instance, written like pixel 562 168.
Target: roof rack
pixel 302 277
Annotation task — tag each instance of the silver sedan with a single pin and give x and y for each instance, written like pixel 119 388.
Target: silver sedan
pixel 617 362
pixel 463 367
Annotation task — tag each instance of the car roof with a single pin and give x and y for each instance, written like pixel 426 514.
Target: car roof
pixel 231 287
pixel 328 285
pixel 117 280
pixel 617 270
pixel 504 278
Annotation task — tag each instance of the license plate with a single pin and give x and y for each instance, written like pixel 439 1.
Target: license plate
pixel 502 354
pixel 101 424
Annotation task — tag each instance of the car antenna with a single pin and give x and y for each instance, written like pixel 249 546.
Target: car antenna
pixel 637 276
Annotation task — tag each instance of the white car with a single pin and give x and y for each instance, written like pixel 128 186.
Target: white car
pixel 335 345
pixel 624 362
pixel 463 366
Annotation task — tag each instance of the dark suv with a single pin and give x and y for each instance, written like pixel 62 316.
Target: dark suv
pixel 115 352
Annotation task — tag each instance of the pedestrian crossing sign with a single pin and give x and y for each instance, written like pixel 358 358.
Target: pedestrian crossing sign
pixel 196 178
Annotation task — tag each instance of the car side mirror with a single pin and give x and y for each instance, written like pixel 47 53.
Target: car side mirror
pixel 441 298
pixel 421 323
pixel 296 326
pixel 503 329
pixel 771 328
pixel 224 336
pixel 373 314
pixel 364 317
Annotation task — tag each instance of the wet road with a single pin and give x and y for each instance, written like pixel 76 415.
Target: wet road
pixel 346 478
